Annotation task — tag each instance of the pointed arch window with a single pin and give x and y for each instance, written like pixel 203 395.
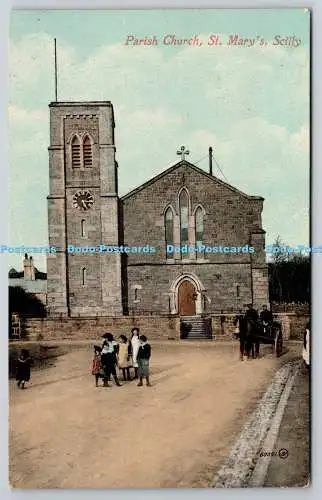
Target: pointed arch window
pixel 199 229
pixel 76 152
pixel 84 276
pixel 168 223
pixel 87 152
pixel 184 217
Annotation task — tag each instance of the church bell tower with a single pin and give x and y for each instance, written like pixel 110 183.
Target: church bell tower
pixel 83 211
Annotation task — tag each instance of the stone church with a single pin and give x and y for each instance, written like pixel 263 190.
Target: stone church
pixel 184 206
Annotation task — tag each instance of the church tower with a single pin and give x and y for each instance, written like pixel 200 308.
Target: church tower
pixel 83 211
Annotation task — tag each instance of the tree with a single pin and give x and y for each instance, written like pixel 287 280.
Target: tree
pixel 279 257
pixel 289 276
pixel 279 254
pixel 25 304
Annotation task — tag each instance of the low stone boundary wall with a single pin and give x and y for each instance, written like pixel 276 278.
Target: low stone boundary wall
pixel 154 327
pixel 293 325
pixel 290 307
pixel 298 324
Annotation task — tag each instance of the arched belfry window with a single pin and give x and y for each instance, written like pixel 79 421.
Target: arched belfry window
pixel 84 276
pixel 168 224
pixel 184 217
pixel 199 227
pixel 76 152
pixel 87 152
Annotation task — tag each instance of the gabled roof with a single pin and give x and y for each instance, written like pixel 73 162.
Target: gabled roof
pixel 39 275
pixel 13 273
pixel 185 163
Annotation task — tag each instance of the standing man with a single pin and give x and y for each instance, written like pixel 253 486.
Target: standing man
pixel 251 315
pixel 239 322
pixel 222 322
pixel 266 318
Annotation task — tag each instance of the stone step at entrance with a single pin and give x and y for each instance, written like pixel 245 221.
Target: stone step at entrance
pixel 195 328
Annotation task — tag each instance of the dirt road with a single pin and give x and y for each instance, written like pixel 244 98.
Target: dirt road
pixel 65 433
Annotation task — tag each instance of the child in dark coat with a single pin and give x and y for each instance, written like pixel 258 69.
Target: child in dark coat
pixel 109 360
pixel 143 358
pixel 23 368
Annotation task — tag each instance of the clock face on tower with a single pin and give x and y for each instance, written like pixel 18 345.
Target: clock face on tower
pixel 83 200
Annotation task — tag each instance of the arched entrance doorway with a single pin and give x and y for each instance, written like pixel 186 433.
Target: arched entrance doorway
pixel 187 298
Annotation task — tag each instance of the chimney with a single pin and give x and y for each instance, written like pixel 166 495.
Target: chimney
pixel 32 269
pixel 210 160
pixel 25 266
pixel 28 268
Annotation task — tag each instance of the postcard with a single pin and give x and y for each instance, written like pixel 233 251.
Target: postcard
pixel 159 277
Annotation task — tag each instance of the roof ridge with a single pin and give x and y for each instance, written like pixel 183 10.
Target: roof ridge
pixel 194 167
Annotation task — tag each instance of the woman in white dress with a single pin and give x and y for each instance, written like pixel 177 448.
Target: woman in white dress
pixel 135 343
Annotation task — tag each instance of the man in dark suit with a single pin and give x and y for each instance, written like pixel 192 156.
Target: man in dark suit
pixel 252 339
pixel 266 318
pixel 251 313
pixel 240 323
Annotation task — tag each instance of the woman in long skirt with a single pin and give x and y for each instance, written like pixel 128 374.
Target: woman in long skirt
pixel 135 343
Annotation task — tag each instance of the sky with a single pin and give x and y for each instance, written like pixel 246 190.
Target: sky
pixel 251 104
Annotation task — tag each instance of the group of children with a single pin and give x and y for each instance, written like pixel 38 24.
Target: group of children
pixel 125 355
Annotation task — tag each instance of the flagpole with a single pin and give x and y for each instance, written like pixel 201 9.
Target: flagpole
pixel 55 51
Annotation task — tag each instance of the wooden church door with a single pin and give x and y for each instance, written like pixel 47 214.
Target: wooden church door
pixel 186 299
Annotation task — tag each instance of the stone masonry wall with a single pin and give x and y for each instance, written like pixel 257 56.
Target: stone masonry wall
pixel 150 285
pixel 229 219
pixel 89 283
pixel 154 327
pixel 93 328
pixel 290 307
pixel 293 325
pixel 260 287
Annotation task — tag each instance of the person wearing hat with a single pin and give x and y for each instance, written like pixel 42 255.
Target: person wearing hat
pixel 251 313
pixel 252 341
pixel 266 318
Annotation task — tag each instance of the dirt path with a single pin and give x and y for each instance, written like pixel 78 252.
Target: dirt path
pixel 65 433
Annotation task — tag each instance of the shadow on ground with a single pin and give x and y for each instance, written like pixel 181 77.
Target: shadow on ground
pixel 43 356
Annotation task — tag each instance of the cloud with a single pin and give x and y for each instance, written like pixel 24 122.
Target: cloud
pixel 251 106
pixel 24 117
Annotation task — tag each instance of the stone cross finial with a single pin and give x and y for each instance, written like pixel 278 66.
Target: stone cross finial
pixel 183 152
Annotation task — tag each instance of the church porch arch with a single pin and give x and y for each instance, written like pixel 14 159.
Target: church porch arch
pixel 190 282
